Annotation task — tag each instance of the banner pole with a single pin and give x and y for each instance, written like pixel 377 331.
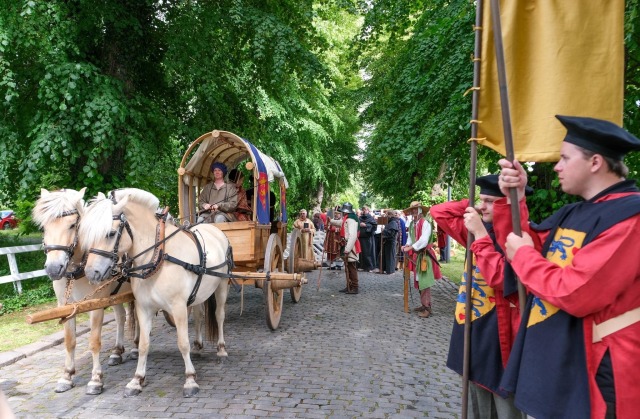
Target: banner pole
pixel 473 157
pixel 506 125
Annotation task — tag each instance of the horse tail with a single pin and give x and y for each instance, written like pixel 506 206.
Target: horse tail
pixel 210 319
pixel 131 323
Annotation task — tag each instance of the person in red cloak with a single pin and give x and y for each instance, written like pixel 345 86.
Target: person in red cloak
pixel 577 350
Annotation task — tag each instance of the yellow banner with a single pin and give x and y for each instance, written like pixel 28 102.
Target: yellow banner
pixel 562 57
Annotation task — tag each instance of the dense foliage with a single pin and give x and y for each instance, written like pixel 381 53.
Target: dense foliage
pixel 109 94
pixel 417 56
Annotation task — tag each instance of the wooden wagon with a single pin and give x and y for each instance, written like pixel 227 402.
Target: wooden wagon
pixel 259 244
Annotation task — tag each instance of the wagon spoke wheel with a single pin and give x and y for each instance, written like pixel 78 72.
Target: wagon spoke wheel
pixel 273 262
pixel 295 250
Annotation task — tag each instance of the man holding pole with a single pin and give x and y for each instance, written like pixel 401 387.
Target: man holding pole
pixel 494 314
pixel 421 257
pixel 577 350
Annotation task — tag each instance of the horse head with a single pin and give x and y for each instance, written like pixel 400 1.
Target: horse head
pixel 106 230
pixel 58 213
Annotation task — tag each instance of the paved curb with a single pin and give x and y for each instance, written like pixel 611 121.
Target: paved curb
pixel 46 342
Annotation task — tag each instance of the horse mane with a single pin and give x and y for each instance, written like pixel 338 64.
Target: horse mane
pixel 97 220
pixel 139 196
pixel 54 204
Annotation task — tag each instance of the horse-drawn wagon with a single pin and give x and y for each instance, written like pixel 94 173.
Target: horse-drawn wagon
pixel 173 267
pixel 258 245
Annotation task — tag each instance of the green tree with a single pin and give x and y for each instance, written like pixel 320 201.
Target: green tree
pixel 109 94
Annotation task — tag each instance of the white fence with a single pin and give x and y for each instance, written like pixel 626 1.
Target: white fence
pixel 16 277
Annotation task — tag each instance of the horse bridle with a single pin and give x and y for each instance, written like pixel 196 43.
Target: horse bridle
pixel 113 255
pixel 67 249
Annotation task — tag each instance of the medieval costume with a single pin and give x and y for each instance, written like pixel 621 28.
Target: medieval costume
pixel 494 314
pixel 223 196
pixel 243 209
pixel 307 231
pixel 332 239
pixel 389 243
pixel 577 349
pixel 350 249
pixel 422 261
pixel 367 257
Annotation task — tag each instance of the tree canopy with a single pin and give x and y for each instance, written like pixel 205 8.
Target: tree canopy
pixel 109 94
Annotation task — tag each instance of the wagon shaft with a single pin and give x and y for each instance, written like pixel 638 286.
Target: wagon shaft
pixel 79 307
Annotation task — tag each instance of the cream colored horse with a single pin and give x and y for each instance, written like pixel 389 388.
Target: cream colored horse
pixel 127 224
pixel 59 213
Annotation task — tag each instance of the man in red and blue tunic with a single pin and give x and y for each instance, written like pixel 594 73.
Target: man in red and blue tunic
pixel 576 354
pixel 494 313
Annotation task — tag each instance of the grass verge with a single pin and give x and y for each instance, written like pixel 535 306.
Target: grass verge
pixel 16 332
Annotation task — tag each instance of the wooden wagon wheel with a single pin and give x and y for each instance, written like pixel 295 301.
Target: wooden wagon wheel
pixel 295 250
pixel 273 262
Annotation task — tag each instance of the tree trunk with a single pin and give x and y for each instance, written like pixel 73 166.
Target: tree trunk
pixel 317 206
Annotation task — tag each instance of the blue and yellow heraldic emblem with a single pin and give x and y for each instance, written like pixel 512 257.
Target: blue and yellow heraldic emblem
pixel 482 296
pixel 564 246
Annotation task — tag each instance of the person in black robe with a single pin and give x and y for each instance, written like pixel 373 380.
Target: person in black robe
pixel 368 226
pixel 389 242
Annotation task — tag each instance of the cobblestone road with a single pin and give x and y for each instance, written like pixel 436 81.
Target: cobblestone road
pixel 334 355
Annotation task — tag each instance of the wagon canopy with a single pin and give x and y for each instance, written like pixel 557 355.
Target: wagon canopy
pixel 228 148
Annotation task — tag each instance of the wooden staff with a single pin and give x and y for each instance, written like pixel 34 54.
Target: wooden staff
pixel 406 275
pixel 506 126
pixel 472 192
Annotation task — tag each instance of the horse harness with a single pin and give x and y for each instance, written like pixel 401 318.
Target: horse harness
pixel 149 269
pixel 78 272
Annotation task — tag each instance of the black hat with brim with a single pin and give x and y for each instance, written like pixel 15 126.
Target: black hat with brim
pixel 600 136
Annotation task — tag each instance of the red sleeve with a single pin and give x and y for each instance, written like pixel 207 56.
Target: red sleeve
pixel 489 261
pixel 601 274
pixel 502 224
pixel 449 217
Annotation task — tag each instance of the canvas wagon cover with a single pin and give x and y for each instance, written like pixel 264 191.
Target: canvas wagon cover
pixel 230 149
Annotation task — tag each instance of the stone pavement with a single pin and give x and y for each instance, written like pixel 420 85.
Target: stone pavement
pixel 334 355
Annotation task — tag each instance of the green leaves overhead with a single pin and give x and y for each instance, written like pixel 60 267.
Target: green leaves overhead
pixel 415 94
pixel 109 94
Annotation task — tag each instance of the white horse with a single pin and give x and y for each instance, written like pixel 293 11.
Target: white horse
pixel 185 268
pixel 59 213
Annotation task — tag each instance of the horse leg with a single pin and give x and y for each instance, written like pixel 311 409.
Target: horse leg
pixel 221 301
pixel 144 320
pixel 95 343
pixel 134 328
pixel 197 312
pixel 116 353
pixel 65 382
pixel 180 315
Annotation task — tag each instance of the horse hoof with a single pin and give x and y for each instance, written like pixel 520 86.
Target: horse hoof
pixel 197 346
pixel 115 360
pixel 94 390
pixel 131 392
pixel 134 355
pixel 62 387
pixel 190 392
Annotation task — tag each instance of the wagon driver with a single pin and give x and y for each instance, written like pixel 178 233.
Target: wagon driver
pixel 218 197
